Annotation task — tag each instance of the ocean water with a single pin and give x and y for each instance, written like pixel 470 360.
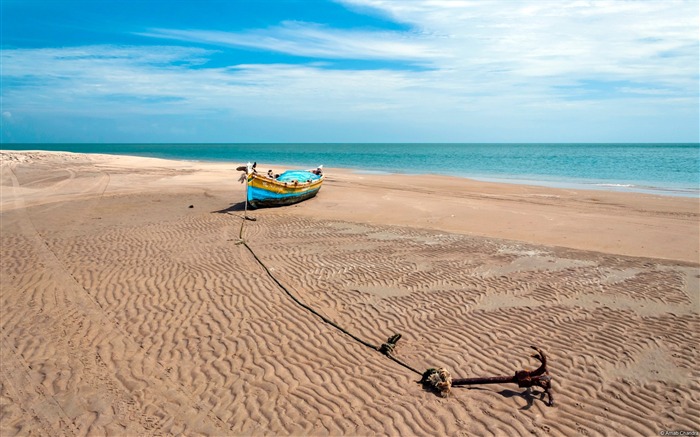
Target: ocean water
pixel 667 169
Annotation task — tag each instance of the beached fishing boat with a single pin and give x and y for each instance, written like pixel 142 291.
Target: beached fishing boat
pixel 292 186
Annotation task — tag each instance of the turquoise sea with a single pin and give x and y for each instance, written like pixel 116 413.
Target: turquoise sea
pixel 667 169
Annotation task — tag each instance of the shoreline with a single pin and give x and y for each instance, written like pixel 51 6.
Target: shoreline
pixel 130 306
pixel 625 186
pixel 529 213
pixel 600 186
pixel 633 224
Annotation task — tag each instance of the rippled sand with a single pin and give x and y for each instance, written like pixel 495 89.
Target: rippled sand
pixel 126 312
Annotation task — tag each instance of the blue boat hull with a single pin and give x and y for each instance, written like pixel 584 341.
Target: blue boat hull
pixel 290 188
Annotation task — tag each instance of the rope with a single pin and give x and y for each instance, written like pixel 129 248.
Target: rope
pixel 436 379
pixel 387 349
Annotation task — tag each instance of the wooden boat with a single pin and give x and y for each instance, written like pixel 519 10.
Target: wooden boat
pixel 290 187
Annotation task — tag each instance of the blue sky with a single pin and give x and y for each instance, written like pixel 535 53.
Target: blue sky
pixel 350 71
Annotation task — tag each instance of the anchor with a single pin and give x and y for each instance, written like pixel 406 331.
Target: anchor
pixel 440 380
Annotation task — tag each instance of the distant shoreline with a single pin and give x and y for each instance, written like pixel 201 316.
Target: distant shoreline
pixel 613 220
pixel 294 155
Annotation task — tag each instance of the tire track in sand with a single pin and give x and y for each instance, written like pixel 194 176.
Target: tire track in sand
pixel 86 394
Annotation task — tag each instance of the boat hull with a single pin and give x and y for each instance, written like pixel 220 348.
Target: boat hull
pixel 264 192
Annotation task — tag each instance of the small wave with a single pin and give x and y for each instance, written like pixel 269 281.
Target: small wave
pixel 651 189
pixel 616 185
pixel 372 172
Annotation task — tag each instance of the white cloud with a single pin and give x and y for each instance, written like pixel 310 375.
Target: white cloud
pixel 83 78
pixel 155 80
pixel 519 49
pixel 494 68
pixel 314 40
pixel 647 41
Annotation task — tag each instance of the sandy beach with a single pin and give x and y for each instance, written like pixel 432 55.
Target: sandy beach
pixel 130 306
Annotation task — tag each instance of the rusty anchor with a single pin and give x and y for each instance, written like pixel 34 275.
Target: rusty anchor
pixel 440 380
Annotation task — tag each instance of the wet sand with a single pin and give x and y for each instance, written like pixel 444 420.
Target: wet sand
pixel 126 312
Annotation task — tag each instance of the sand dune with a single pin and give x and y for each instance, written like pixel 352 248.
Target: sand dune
pixel 125 312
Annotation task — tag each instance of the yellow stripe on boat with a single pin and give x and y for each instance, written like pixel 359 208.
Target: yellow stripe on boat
pixel 264 191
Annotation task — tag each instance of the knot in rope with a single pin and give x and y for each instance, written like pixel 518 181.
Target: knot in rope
pixel 388 347
pixel 437 379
